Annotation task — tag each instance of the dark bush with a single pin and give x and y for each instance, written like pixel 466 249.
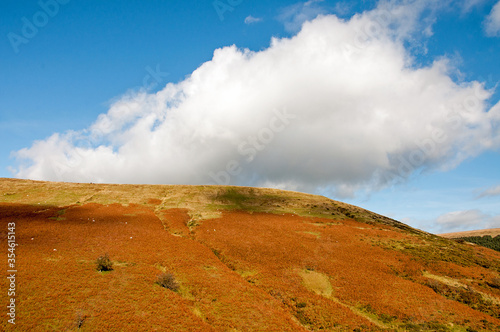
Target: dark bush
pixel 104 263
pixel 167 280
pixel 301 305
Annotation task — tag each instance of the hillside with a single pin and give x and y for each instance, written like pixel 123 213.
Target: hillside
pixel 245 259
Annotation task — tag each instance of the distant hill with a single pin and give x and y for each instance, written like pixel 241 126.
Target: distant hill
pixel 232 259
pixel 481 232
pixel 489 238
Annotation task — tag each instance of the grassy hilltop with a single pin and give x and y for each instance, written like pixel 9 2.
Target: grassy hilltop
pixel 233 259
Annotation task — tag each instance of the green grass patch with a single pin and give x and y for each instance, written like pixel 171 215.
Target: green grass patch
pixel 9 197
pixel 316 282
pixel 316 234
pixel 59 216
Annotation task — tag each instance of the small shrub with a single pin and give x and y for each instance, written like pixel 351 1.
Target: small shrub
pixel 310 267
pixel 167 280
pixel 104 263
pixel 385 318
pixel 77 322
pixel 495 283
pixel 438 287
pixel 304 318
pixel 80 319
pixel 469 297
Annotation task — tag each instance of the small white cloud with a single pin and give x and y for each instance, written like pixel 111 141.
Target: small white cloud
pixel 295 15
pixel 411 20
pixel 312 2
pixel 459 219
pixel 342 8
pixel 494 191
pixel 466 220
pixel 250 19
pixel 492 22
pixel 468 5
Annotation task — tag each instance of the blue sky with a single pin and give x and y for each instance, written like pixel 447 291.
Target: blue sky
pixel 154 92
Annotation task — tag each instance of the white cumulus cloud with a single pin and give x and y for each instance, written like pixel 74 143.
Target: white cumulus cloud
pixel 340 107
pixel 492 22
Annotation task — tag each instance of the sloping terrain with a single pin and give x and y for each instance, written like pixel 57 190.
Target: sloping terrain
pixel 246 259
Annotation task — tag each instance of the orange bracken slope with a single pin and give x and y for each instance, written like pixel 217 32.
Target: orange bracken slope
pixel 246 259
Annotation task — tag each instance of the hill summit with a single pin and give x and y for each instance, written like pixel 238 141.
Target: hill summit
pixel 220 258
